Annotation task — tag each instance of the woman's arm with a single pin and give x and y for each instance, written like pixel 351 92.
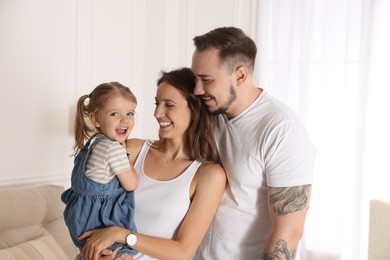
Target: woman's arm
pixel 210 181
pixel 210 185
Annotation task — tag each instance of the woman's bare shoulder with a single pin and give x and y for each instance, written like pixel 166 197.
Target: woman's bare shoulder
pixel 211 170
pixel 137 142
pixel 210 178
pixel 133 147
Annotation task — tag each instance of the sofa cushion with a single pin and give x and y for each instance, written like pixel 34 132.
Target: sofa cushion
pixel 44 247
pixel 32 213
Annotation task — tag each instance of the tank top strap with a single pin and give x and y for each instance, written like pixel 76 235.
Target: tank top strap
pixel 142 154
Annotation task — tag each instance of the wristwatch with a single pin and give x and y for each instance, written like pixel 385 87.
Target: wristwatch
pixel 131 239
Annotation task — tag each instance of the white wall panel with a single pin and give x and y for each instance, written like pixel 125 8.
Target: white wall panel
pixel 37 75
pixel 53 51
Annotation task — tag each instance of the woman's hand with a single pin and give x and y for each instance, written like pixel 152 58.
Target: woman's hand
pixel 109 255
pixel 98 240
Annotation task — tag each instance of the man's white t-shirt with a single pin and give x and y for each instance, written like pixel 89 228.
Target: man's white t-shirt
pixel 265 145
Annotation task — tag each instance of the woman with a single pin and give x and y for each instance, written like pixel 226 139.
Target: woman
pixel 180 181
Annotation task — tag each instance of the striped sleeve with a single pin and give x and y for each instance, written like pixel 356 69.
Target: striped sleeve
pixel 117 158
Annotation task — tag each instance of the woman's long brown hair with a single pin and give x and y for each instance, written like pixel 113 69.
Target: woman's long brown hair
pixel 200 141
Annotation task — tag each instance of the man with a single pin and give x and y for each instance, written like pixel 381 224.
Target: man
pixel 264 148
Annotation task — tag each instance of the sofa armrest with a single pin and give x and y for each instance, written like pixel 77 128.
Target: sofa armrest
pixel 34 214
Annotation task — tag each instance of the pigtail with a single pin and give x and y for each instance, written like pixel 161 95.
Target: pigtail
pixel 83 130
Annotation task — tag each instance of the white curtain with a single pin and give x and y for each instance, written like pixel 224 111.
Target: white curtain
pixel 330 61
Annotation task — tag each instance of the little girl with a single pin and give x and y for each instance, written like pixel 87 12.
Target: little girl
pixel 102 178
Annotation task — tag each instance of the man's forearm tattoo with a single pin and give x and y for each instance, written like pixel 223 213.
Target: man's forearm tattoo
pixel 280 252
pixel 290 199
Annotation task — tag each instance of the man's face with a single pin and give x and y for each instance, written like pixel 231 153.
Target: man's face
pixel 214 83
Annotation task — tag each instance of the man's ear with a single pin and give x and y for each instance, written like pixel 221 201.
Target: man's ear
pixel 241 75
pixel 94 119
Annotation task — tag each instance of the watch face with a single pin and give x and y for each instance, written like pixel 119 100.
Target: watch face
pixel 131 239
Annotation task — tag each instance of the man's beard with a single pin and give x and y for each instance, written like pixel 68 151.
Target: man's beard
pixel 222 109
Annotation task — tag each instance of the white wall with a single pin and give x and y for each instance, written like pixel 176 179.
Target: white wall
pixel 53 51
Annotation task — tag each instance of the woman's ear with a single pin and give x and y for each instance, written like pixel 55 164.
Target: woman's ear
pixel 241 75
pixel 94 119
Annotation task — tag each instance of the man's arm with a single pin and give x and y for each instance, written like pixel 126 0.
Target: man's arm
pixel 288 208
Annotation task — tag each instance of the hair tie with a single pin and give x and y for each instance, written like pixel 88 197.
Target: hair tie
pixel 86 100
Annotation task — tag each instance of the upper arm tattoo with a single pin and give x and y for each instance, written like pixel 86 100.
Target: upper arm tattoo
pixel 289 199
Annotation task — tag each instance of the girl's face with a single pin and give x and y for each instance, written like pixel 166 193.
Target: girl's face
pixel 172 112
pixel 116 118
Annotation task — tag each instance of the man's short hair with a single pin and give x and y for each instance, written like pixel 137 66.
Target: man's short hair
pixel 235 47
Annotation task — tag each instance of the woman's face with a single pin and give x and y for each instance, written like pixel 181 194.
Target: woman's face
pixel 172 112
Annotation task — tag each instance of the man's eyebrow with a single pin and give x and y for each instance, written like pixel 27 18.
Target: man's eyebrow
pixel 203 75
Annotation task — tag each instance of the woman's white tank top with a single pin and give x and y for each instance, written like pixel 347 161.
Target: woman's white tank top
pixel 160 206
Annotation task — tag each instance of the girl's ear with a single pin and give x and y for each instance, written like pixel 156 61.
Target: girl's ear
pixel 241 74
pixel 94 119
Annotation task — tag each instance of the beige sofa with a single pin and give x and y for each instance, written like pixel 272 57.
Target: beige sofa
pixel 379 232
pixel 32 225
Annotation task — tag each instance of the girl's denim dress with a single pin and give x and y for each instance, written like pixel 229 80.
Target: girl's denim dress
pixel 92 205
